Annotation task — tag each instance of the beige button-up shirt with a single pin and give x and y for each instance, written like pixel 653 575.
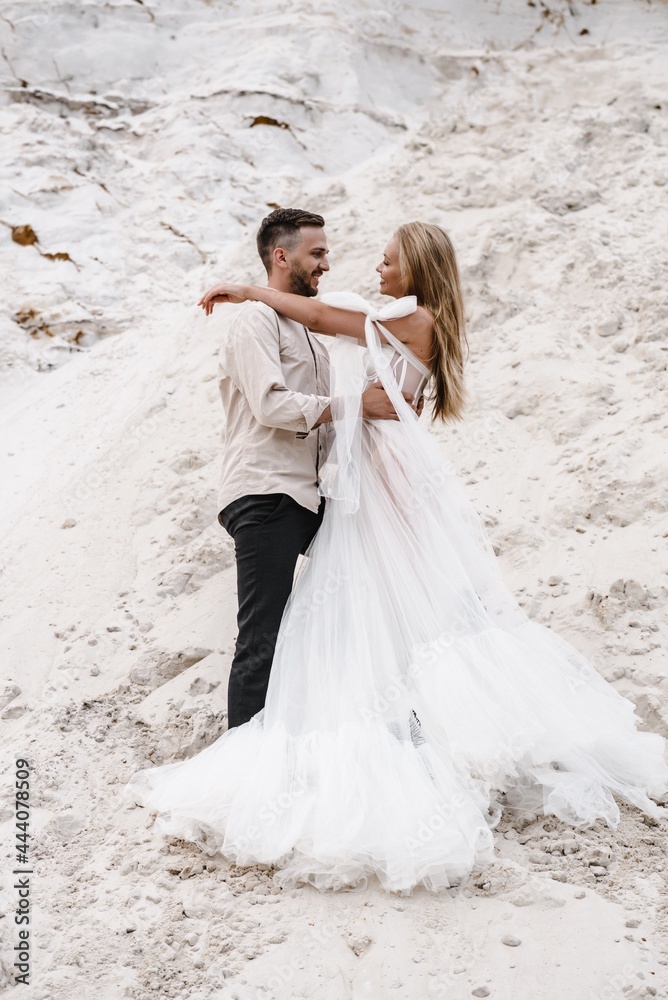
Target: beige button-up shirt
pixel 273 376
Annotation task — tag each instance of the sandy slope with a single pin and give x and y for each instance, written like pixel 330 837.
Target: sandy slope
pixel 128 144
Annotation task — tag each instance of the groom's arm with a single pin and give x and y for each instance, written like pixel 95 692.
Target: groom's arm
pixel 325 417
pixel 376 405
pixel 259 375
pixel 254 344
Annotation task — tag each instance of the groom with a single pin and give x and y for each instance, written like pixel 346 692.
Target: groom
pixel 273 377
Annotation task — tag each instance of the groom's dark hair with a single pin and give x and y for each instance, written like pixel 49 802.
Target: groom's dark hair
pixel 281 229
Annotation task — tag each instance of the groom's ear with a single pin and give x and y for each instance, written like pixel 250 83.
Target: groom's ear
pixel 280 258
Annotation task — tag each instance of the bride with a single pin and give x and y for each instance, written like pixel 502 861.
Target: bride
pixel 410 700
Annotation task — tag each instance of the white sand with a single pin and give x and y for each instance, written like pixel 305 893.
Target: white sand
pixel 126 144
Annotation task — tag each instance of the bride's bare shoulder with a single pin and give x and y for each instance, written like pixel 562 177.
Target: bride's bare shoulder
pixel 417 324
pixel 421 342
pixel 415 331
pixel 424 319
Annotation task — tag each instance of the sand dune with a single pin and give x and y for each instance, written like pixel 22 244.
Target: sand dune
pixel 142 143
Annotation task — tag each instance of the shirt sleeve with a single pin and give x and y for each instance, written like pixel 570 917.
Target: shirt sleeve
pixel 259 375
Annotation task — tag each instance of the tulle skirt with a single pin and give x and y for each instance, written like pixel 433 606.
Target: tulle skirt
pixel 410 701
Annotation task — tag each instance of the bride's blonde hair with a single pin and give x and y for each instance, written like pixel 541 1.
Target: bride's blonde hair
pixel 428 266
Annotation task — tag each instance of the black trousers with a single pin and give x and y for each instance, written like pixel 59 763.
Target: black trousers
pixel 269 532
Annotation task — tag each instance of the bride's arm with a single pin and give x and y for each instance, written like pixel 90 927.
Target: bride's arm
pixel 317 316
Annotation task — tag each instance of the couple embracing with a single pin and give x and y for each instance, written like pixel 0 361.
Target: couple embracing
pixel 389 699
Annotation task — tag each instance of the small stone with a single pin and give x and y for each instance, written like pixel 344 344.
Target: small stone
pixel 12 712
pixel 7 693
pixel 358 945
pixel 510 940
pixel 521 898
pixel 598 871
pixel 632 923
pixel 609 327
pixel 480 991
pixel 601 857
pixel 579 895
pixel 536 858
pixel 554 580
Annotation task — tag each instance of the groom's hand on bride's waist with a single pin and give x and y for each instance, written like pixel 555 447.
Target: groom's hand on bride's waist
pixel 377 405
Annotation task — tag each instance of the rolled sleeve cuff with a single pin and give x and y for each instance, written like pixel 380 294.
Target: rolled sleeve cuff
pixel 313 407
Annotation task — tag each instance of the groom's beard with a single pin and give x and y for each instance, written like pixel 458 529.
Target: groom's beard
pixel 300 281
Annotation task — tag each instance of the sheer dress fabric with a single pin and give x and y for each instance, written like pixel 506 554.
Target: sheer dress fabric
pixel 411 699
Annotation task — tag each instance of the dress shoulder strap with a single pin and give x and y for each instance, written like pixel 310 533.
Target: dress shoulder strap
pixel 405 351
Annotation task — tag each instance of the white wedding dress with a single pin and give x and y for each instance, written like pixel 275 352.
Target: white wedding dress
pixel 411 700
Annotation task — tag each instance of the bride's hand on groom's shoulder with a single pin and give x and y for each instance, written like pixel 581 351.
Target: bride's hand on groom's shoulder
pixel 223 292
